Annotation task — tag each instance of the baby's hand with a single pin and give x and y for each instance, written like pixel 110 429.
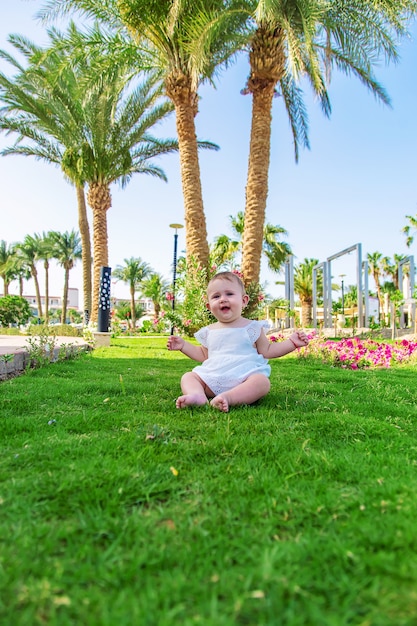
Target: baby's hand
pixel 299 338
pixel 175 343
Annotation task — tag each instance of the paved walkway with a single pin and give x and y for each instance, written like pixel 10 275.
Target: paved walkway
pixel 17 346
pixel 12 344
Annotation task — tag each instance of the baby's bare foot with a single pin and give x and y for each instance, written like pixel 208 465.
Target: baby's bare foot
pixel 221 403
pixel 191 400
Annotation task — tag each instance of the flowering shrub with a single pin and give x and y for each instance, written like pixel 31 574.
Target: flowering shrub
pixel 191 312
pixel 355 353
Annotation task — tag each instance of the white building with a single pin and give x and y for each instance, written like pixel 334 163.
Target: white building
pixel 55 302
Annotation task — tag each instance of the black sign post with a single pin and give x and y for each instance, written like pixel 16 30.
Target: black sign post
pixel 103 321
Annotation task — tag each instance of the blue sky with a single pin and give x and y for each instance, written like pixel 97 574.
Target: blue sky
pixel 355 185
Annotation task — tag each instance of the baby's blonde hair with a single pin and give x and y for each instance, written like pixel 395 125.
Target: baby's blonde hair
pixel 230 276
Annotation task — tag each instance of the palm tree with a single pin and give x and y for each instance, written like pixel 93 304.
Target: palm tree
pixel 375 269
pixel 295 39
pixel 67 249
pixel 6 254
pixel 390 269
pixel 28 251
pixel 121 147
pixel 48 113
pixel 45 254
pixel 275 251
pixel 133 273
pixel 351 296
pixel 303 287
pixel 155 287
pixel 224 249
pixel 186 43
pixel 223 252
pixel 408 228
pixel 108 135
pixel 18 268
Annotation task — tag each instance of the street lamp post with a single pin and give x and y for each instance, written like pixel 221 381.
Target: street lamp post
pixel 174 266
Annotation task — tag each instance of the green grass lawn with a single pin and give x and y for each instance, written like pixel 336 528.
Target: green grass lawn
pixel 116 509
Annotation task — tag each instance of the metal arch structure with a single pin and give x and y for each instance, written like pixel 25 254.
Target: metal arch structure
pixel 409 260
pixel 362 285
pixel 361 282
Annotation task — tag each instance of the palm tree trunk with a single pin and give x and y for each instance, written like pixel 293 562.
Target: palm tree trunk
pixel 65 297
pixel 306 313
pixel 184 98
pixel 46 265
pixel 86 248
pixel 99 199
pixel 132 306
pixel 257 182
pixel 379 295
pixel 37 290
pixel 267 65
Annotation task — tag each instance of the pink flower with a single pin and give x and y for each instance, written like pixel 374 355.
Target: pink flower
pixel 356 353
pixel 275 338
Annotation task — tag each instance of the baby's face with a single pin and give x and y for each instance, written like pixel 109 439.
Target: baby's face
pixel 226 299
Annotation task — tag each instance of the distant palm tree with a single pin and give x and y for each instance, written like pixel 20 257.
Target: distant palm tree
pixel 223 252
pixel 376 269
pixel 45 254
pixel 67 249
pixel 407 229
pixel 275 251
pixel 224 249
pixel 29 251
pixel 123 311
pixel 133 273
pixel 303 287
pixel 155 287
pixel 390 269
pixel 6 254
pixel 19 268
pixel 351 296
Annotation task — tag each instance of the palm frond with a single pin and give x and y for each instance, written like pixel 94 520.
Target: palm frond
pixel 297 113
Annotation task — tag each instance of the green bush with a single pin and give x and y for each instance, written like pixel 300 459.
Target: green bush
pixel 10 331
pixel 63 330
pixel 14 310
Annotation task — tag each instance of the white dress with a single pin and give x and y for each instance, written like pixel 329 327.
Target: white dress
pixel 232 355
